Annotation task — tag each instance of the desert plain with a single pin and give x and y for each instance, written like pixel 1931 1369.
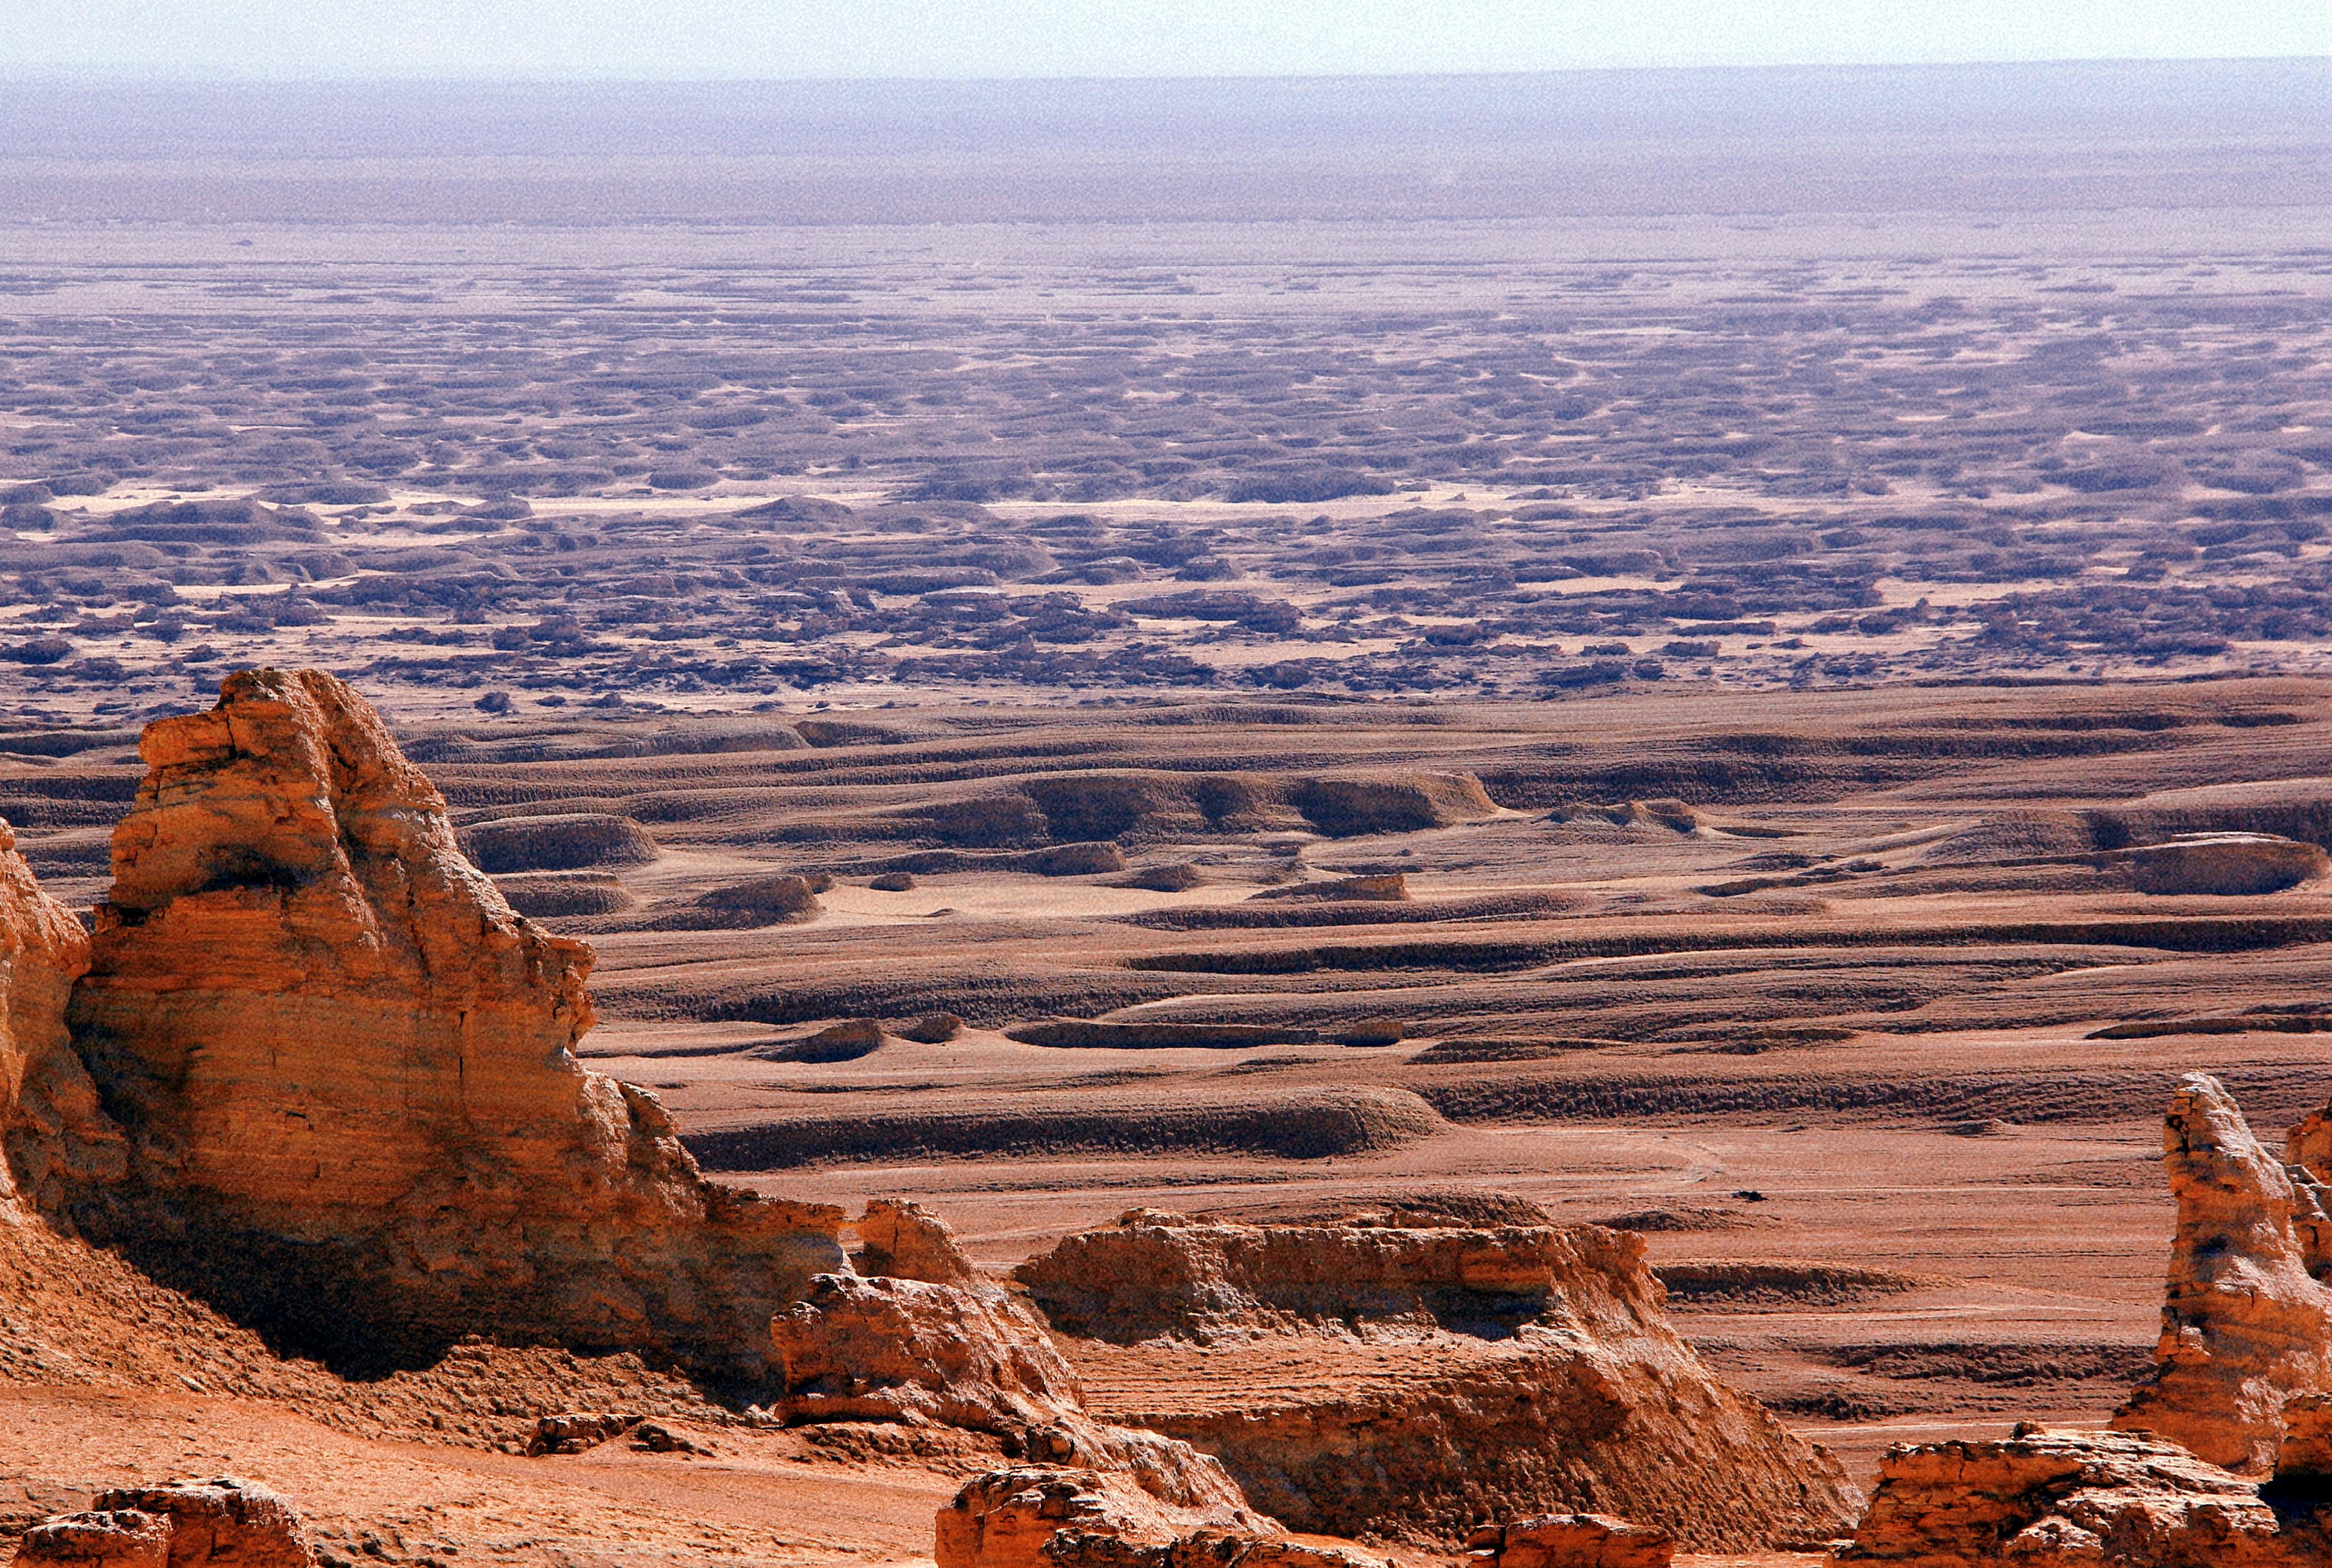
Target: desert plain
pixel 1559 652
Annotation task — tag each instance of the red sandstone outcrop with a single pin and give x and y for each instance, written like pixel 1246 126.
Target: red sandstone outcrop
pixel 344 1069
pixel 99 1538
pixel 948 1348
pixel 2245 1325
pixel 1573 1541
pixel 1512 1370
pixel 2052 1499
pixel 907 1241
pixel 1042 1517
pixel 45 1098
pixel 890 1350
pixel 187 1524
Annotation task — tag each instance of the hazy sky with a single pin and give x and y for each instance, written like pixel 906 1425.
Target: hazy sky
pixel 573 39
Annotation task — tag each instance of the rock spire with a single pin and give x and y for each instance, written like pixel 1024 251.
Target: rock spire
pixel 344 1069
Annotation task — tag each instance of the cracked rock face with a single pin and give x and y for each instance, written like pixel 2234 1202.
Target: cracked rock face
pixel 44 1097
pixel 2245 1324
pixel 344 1070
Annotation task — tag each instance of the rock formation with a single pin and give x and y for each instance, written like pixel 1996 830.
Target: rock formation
pixel 947 1348
pixel 907 1241
pixel 187 1524
pixel 97 1538
pixel 2224 1454
pixel 344 1070
pixel 889 1350
pixel 2052 1499
pixel 2228 864
pixel 1573 1541
pixel 1512 1370
pixel 2245 1325
pixel 1044 1517
pixel 43 1096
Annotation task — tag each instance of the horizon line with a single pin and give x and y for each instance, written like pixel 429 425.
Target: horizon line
pixel 22 76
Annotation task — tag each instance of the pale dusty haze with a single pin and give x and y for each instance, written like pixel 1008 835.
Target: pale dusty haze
pixel 774 39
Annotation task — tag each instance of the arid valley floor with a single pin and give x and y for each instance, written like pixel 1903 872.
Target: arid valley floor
pixel 1773 706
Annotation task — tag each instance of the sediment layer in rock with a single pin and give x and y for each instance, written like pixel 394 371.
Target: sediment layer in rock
pixel 1513 1370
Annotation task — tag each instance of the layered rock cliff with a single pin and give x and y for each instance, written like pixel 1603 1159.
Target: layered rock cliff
pixel 343 1068
pixel 1509 1369
pixel 47 1106
pixel 2245 1324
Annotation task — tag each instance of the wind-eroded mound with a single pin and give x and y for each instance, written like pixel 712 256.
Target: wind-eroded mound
pixel 1748 1283
pixel 1309 1124
pixel 1511 1370
pixel 2226 864
pixel 572 841
pixel 1098 1034
pixel 548 896
pixel 2298 809
pixel 1156 1275
pixel 1138 807
pixel 1348 808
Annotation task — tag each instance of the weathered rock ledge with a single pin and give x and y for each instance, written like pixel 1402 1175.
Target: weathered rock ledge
pixel 1539 1374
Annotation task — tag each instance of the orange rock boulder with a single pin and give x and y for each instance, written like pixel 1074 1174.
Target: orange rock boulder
pixel 99 1538
pixel 1574 1540
pixel 907 1241
pixel 187 1524
pixel 1038 1517
pixel 2245 1325
pixel 345 1071
pixel 2053 1499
